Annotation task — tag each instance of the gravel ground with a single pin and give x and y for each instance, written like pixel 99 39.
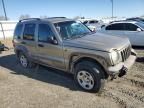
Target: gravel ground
pixel 44 87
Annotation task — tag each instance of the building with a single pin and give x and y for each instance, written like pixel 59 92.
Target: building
pixel 7 29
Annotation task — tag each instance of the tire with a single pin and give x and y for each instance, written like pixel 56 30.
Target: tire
pixel 23 59
pixel 89 76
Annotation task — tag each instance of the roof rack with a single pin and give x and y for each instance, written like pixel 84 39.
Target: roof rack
pixel 29 19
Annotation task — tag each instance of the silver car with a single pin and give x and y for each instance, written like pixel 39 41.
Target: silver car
pixel 132 29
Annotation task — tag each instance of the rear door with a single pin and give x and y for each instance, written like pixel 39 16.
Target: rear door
pixel 49 53
pixel 135 37
pixel 28 39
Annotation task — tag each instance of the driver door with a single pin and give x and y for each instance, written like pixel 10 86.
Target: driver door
pixel 49 53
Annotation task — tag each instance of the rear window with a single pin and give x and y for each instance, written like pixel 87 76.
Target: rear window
pixel 18 30
pixel 29 32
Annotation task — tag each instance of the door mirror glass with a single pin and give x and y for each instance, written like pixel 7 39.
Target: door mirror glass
pixel 58 29
pixel 52 40
pixel 138 29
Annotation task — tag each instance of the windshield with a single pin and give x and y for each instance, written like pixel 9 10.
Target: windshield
pixel 141 25
pixel 71 29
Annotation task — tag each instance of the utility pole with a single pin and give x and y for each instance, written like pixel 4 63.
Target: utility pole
pixel 4 10
pixel 112 8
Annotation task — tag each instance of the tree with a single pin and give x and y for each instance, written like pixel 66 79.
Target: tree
pixel 142 16
pixel 24 16
pixel 3 18
pixel 77 17
pixel 44 16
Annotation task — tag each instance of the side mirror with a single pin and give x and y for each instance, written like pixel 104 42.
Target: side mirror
pixel 102 26
pixel 93 30
pixel 58 29
pixel 139 30
pixel 52 40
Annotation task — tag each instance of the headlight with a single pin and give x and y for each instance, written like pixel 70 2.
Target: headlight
pixel 115 56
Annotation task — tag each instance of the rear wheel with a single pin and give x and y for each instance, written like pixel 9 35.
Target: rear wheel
pixel 24 61
pixel 89 76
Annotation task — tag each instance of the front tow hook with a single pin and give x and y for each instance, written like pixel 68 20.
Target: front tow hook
pixel 123 71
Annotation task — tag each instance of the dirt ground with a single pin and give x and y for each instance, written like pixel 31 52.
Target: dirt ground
pixel 49 88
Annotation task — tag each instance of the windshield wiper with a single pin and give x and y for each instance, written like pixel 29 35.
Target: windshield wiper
pixel 76 36
pixel 87 33
pixel 80 35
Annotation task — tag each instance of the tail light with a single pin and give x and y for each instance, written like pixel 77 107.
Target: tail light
pixel 13 43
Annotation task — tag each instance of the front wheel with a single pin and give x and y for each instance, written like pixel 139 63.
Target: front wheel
pixel 89 76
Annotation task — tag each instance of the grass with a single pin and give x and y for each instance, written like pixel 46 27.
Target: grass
pixel 7 42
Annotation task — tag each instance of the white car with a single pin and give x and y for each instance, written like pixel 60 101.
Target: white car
pixel 93 24
pixel 132 29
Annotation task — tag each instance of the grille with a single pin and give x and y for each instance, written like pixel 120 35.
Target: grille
pixel 125 53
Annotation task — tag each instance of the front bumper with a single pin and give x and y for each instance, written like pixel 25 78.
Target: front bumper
pixel 122 68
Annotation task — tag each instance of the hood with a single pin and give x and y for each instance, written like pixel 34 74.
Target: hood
pixel 98 41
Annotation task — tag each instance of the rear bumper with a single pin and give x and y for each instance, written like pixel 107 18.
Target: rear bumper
pixel 122 68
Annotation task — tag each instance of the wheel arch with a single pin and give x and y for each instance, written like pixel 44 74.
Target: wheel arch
pixel 74 62
pixel 22 49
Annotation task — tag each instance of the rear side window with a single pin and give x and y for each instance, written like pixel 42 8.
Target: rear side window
pixel 119 26
pixel 18 30
pixel 29 32
pixel 130 27
pixel 44 32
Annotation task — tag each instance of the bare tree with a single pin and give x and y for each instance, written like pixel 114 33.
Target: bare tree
pixel 77 17
pixel 3 18
pixel 24 16
pixel 142 16
pixel 44 16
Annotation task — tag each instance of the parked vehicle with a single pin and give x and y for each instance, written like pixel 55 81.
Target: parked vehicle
pixel 70 46
pixel 92 24
pixel 136 19
pixel 3 47
pixel 132 29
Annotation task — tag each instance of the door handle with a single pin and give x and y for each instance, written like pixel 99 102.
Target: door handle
pixel 23 42
pixel 40 45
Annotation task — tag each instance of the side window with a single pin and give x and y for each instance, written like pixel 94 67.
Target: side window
pixel 29 32
pixel 130 27
pixel 119 26
pixel 44 32
pixel 85 22
pixel 18 30
pixel 93 22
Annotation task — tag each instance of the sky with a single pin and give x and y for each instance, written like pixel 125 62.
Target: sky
pixel 72 8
